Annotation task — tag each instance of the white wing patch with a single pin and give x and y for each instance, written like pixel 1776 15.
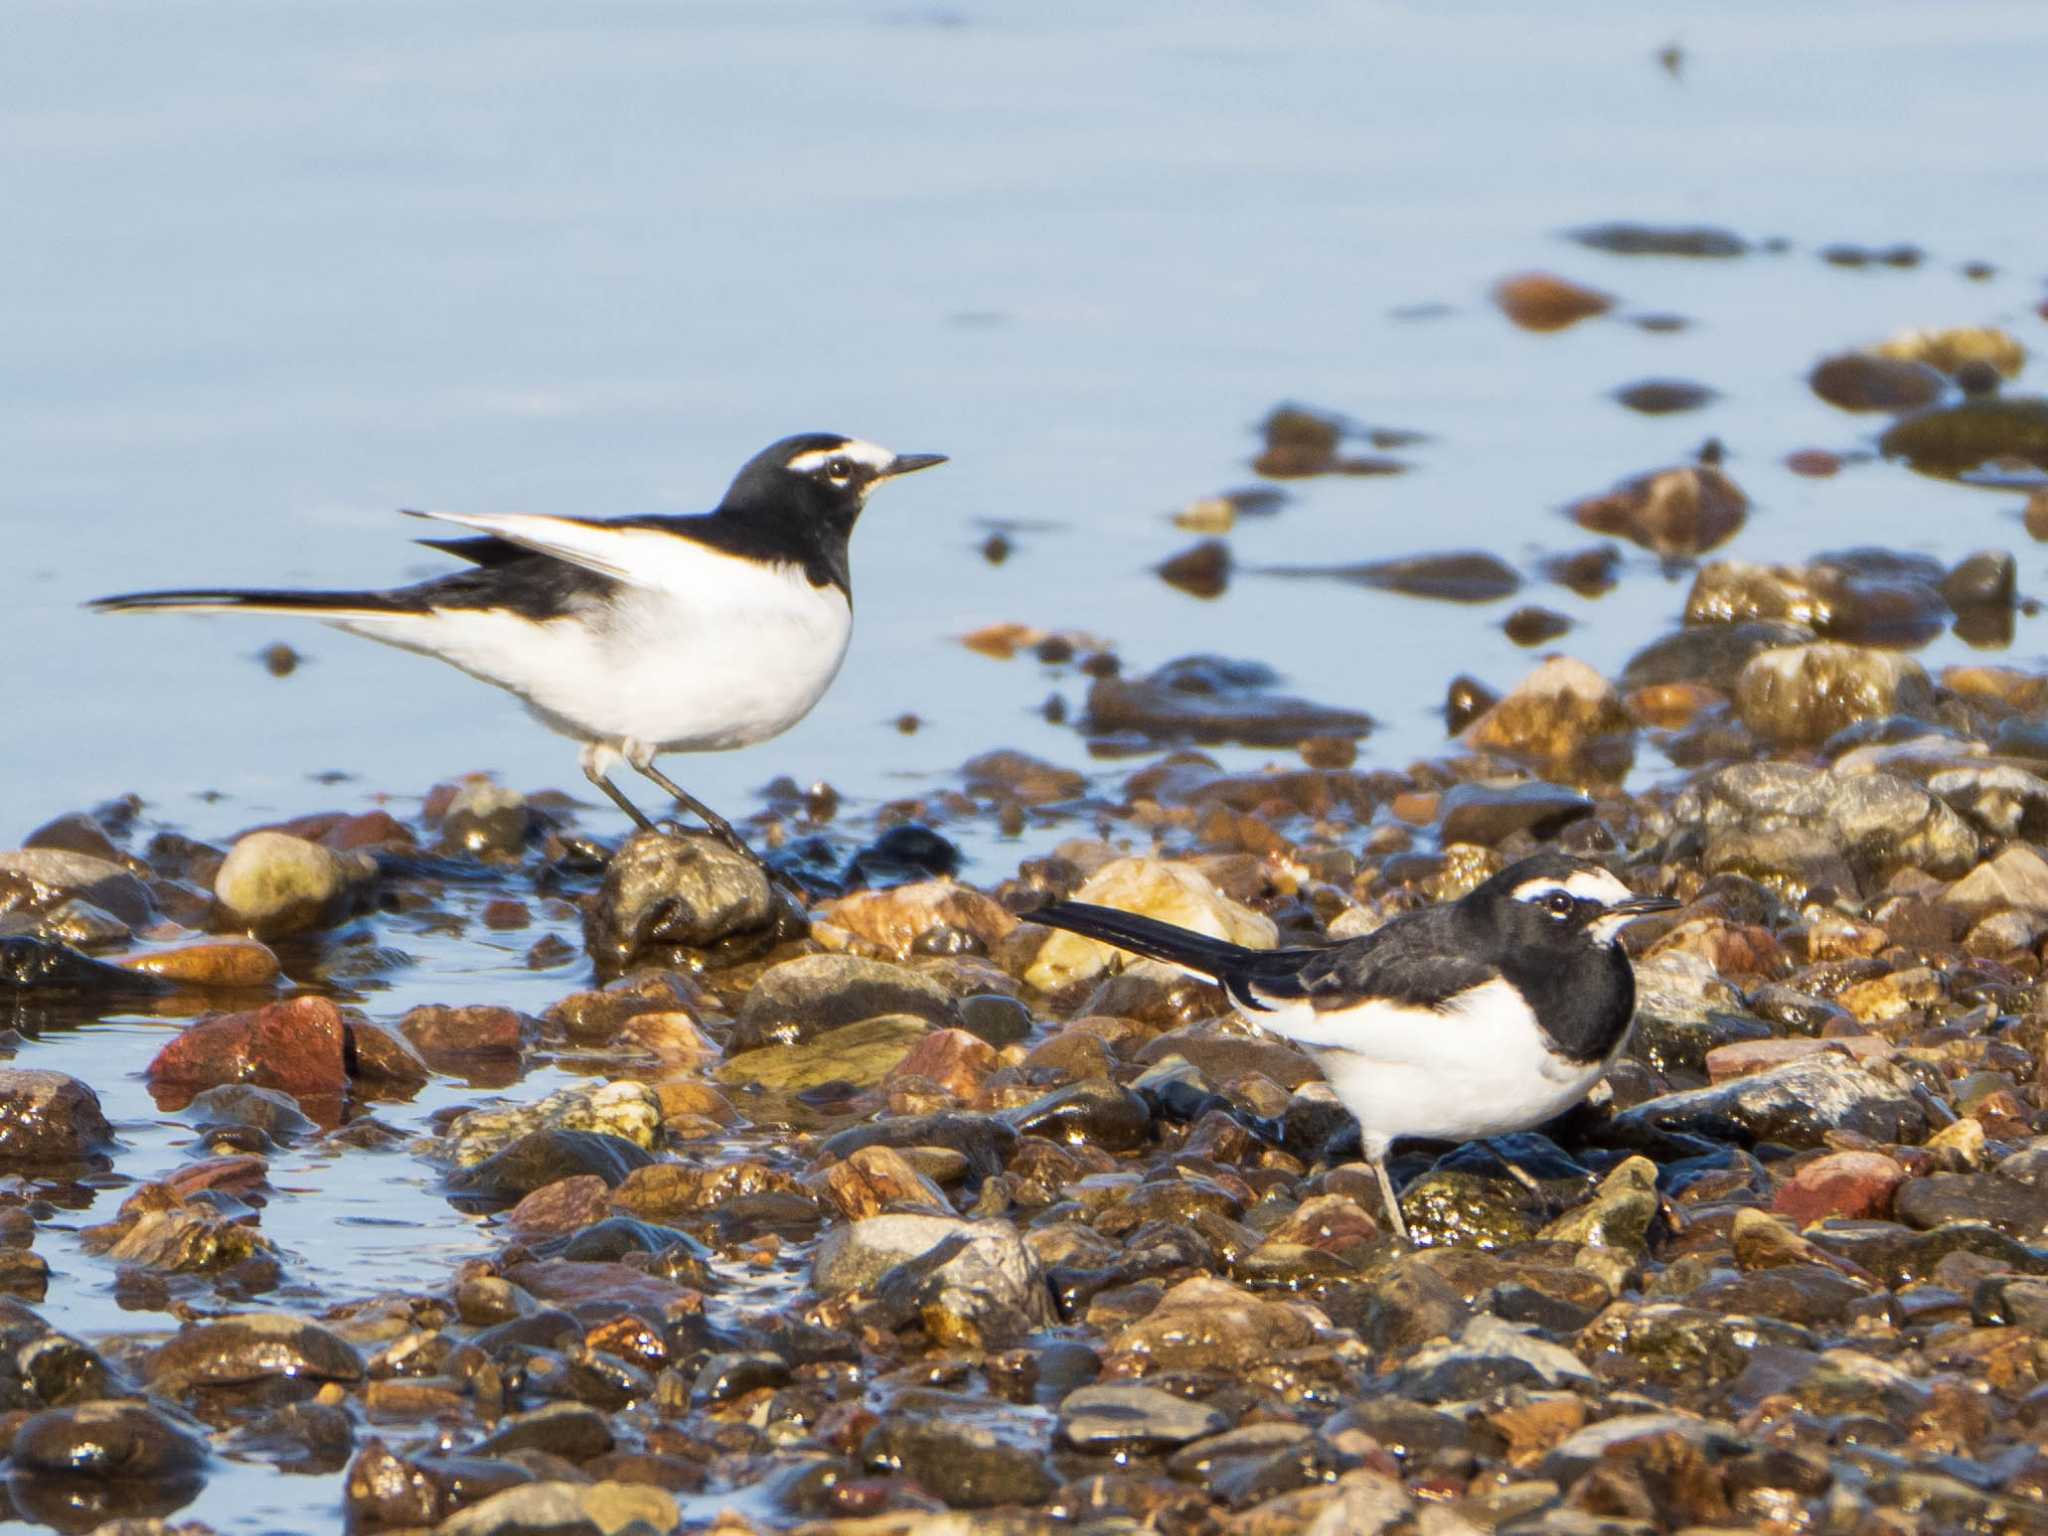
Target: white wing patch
pixel 635 556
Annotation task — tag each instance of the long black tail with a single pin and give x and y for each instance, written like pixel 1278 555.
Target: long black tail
pixel 1147 936
pixel 250 600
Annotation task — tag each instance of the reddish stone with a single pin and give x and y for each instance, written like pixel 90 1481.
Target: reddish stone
pixel 295 1046
pixel 505 913
pixel 377 1055
pixel 617 1285
pixel 1858 1185
pixel 567 1205
pixel 952 1058
pixel 236 1175
pixel 371 829
pixel 478 1031
pixel 1743 1057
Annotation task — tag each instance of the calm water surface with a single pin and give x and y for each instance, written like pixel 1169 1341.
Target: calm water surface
pixel 273 272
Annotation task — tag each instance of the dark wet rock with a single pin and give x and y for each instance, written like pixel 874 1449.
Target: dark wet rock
pixel 1797 1104
pixel 1801 695
pixel 1465 701
pixel 35 880
pixel 573 1431
pixel 1864 596
pixel 486 818
pixel 482 1030
pixel 967 1463
pixel 996 1019
pixel 1125 1418
pixel 1541 301
pixel 802 998
pixel 1404 1307
pixel 1863 381
pixel 1700 241
pixel 1667 1344
pixel 1213 699
pixel 732 1374
pixel 675 890
pixel 1711 654
pixel 1092 1113
pixel 1624 1211
pixel 76 832
pixel 1674 512
pixel 272 884
pixel 567 1205
pixel 250 1347
pixel 1987 579
pixel 383 1062
pixel 1954 439
pixel 2019 1210
pixel 382 1489
pixel 308 1437
pixel 1007 774
pixel 296 1046
pixel 1489 813
pixel 1588 572
pixel 1664 397
pixel 47 1117
pixel 1456 576
pixel 1535 626
pixel 985 1142
pixel 1202 570
pixel 540 1158
pixel 107 1440
pixel 43 967
pixel 1489 1355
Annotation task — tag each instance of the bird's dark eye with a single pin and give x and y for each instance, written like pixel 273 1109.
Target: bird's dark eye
pixel 840 469
pixel 1559 904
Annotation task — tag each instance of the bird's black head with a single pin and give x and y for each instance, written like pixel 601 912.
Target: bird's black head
pixel 1552 901
pixel 819 479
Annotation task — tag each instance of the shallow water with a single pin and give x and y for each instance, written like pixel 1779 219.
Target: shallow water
pixel 275 273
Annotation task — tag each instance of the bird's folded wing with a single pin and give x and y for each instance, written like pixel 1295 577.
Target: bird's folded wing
pixel 1333 982
pixel 602 547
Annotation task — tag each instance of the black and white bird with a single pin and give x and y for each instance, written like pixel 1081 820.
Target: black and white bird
pixel 1474 1018
pixel 635 635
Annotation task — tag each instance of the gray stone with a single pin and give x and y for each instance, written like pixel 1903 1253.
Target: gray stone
pixel 1797 1104
pixel 1488 813
pixel 804 997
pixel 978 1270
pixel 43 878
pixel 1489 1355
pixel 1801 695
pixel 47 1117
pixel 107 1439
pixel 2001 800
pixel 1131 1417
pixel 967 1463
pixel 684 890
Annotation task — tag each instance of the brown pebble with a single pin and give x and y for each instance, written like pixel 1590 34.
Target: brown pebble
pixel 1813 463
pixel 1533 625
pixel 1542 301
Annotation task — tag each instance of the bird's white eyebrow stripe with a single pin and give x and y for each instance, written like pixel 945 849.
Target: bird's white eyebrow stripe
pixel 872 455
pixel 1585 884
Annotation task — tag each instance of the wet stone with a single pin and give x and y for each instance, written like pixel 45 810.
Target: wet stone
pixel 1797 1104
pixel 1092 1113
pixel 297 1047
pixel 251 1347
pixel 1490 813
pixel 542 1157
pixel 107 1440
pixel 1213 699
pixel 1862 381
pixel 1131 1418
pixel 802 998
pixel 49 1117
pixel 35 966
pixel 628 1110
pixel 572 1431
pixel 1674 512
pixel 1664 397
pixel 34 880
pixel 861 1054
pixel 486 818
pixel 1541 301
pixel 2020 1210
pixel 273 884
pixel 682 891
pixel 437 1031
pixel 967 1464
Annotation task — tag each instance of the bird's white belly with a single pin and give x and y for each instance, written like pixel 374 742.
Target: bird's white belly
pixel 739 656
pixel 1478 1069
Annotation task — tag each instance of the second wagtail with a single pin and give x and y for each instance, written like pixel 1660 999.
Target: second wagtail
pixel 1481 1016
pixel 636 635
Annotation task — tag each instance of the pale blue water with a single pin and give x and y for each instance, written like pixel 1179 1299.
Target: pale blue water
pixel 272 272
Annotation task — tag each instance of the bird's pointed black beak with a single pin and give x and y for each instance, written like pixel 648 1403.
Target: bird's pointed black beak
pixel 1643 906
pixel 910 464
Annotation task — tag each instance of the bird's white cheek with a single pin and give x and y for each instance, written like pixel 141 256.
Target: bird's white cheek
pixel 1607 930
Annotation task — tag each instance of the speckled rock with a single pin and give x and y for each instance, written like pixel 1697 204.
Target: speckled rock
pixel 861 1054
pixel 681 890
pixel 247 1347
pixel 1801 695
pixel 628 1110
pixel 802 998
pixel 1558 715
pixel 927 917
pixel 49 1117
pixel 1797 1104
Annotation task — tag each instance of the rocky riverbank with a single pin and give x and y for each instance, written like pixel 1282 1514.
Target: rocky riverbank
pixel 888 1211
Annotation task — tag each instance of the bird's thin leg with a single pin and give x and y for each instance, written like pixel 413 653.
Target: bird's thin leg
pixel 716 824
pixel 1376 1154
pixel 595 760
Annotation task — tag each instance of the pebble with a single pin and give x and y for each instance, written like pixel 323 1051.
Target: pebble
pixel 800 999
pixel 273 884
pixel 1797 1104
pixel 1213 699
pixel 675 891
pixel 298 1047
pixel 108 1440
pixel 1169 892
pixel 1134 1419
pixel 49 1117
pixel 250 1347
